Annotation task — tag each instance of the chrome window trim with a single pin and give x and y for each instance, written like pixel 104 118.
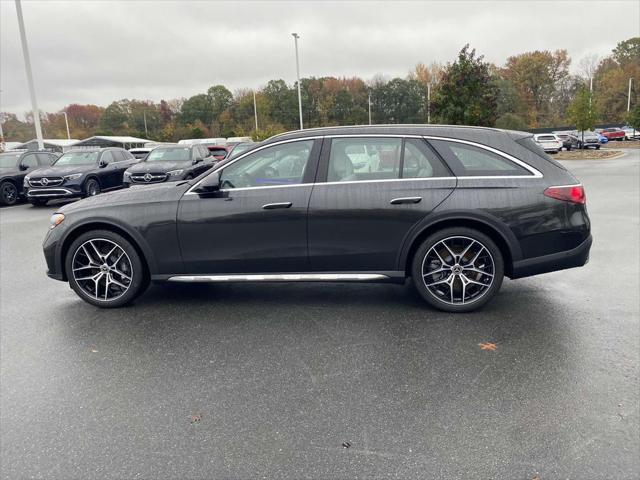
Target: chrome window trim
pixel 535 172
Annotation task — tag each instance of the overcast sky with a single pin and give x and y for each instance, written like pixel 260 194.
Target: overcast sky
pixel 96 52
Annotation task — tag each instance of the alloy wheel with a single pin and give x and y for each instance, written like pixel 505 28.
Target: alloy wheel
pixel 9 193
pixel 102 269
pixel 458 270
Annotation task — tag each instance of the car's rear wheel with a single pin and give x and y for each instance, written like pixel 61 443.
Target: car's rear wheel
pixel 597 147
pixel 8 193
pixel 91 188
pixel 458 269
pixel 38 202
pixel 104 269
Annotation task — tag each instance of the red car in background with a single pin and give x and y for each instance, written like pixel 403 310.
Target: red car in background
pixel 613 134
pixel 219 152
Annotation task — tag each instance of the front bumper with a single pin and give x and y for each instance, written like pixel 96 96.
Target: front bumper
pixel 51 193
pixel 576 257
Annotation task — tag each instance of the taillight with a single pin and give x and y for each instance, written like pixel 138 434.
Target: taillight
pixel 571 193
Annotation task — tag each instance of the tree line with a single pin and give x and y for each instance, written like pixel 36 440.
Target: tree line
pixel 531 90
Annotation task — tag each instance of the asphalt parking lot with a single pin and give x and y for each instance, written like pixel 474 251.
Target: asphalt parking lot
pixel 245 381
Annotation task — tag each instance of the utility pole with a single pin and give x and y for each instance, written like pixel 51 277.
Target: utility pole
pixel 296 37
pixel 255 110
pixel 66 121
pixel 429 102
pixel 144 116
pixel 629 96
pixel 369 107
pixel 27 65
pixel 1 133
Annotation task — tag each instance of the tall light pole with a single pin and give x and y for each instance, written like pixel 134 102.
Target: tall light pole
pixel 295 38
pixel 629 96
pixel 66 121
pixel 144 117
pixel 429 102
pixel 27 65
pixel 255 110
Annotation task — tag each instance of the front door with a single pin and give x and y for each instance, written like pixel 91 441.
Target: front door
pixel 258 221
pixel 376 190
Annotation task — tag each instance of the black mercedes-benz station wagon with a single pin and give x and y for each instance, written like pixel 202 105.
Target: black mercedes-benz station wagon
pixel 454 208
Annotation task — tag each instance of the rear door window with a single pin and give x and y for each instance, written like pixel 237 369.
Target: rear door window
pixel 420 161
pixel 46 158
pixel 364 158
pixel 470 161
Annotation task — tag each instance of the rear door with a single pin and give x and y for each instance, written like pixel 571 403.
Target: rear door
pixel 371 191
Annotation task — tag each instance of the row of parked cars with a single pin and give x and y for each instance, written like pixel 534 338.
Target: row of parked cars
pixel 42 176
pixel 554 142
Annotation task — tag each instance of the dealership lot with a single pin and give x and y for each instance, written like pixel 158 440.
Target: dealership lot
pixel 271 380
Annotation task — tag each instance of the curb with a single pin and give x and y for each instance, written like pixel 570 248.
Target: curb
pixel 620 153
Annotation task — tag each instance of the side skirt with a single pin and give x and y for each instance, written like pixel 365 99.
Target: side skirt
pixel 394 277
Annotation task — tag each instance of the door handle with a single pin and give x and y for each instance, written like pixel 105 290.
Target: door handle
pixel 273 206
pixel 398 201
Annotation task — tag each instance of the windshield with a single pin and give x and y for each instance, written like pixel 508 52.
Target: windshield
pixel 176 154
pixel 77 158
pixel 546 137
pixel 9 160
pixel 238 149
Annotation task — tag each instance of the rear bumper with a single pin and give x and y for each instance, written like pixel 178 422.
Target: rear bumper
pixel 576 257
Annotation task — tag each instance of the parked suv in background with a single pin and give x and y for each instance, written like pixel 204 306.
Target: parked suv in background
pixel 170 163
pixel 549 142
pixel 455 208
pixel 14 166
pixel 587 139
pixel 568 140
pixel 79 173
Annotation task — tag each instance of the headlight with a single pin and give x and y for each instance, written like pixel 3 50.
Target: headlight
pixel 25 182
pixel 127 174
pixel 56 219
pixel 72 177
pixel 174 173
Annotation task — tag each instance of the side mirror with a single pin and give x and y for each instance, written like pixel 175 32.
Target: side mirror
pixel 209 184
pixel 197 160
pixel 23 167
pixel 103 164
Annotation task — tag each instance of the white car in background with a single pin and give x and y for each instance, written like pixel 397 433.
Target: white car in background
pixel 630 133
pixel 549 142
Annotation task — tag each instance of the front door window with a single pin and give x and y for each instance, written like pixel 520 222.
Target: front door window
pixel 283 164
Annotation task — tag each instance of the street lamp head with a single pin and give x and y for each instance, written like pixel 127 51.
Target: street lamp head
pixel 295 35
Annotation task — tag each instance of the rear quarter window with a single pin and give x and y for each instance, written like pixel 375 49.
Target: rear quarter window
pixel 533 147
pixel 470 161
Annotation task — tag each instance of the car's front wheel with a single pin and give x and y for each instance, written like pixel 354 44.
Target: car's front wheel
pixel 458 269
pixel 8 193
pixel 104 269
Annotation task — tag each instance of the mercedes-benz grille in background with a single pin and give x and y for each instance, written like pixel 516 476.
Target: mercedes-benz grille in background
pixel 454 208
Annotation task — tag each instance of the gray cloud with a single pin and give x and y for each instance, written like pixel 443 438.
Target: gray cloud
pixel 96 52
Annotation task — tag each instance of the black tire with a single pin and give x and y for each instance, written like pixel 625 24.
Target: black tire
pixel 597 147
pixel 465 233
pixel 139 279
pixel 569 148
pixel 92 188
pixel 8 193
pixel 38 202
